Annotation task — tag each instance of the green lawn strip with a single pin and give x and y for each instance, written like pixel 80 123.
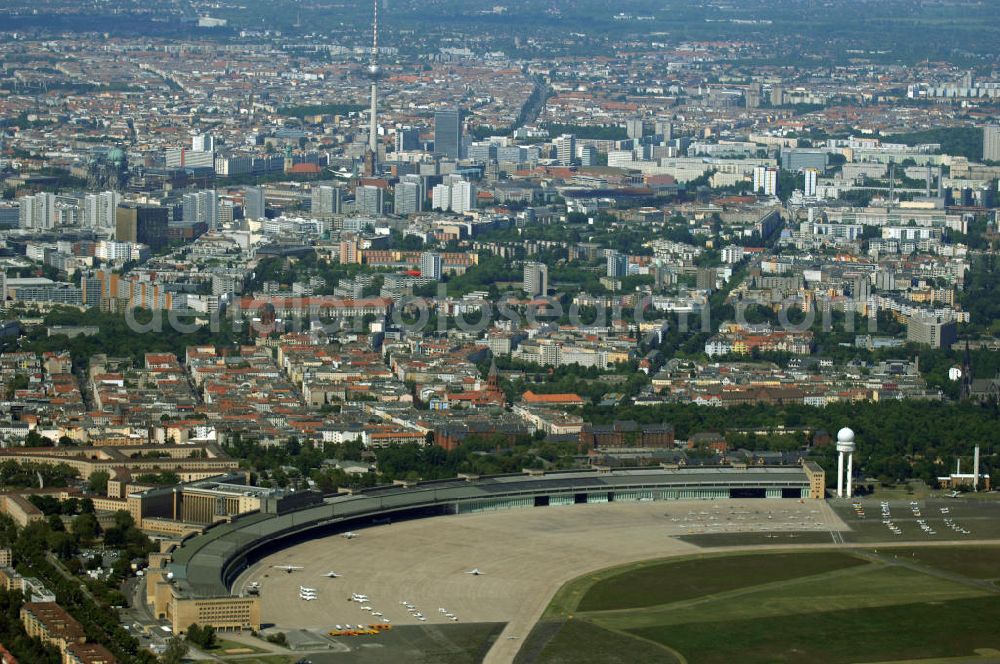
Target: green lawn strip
pixel 710 540
pixel 671 581
pixel 222 645
pixel 871 586
pixel 582 642
pixel 903 631
pixel 975 562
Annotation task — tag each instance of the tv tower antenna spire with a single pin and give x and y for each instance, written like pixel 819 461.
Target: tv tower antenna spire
pixel 373 71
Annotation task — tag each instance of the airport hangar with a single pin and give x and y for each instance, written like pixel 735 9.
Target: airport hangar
pixel 191 583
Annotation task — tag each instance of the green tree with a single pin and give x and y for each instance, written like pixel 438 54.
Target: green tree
pixel 86 528
pixel 98 482
pixel 177 649
pixel 203 637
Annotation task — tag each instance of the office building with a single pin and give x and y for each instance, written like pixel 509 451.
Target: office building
pixel 797 159
pixel 514 154
pixel 448 133
pixel 430 265
pixel 409 197
pixel 202 207
pixel 588 155
pixel 565 149
pixel 617 265
pixel 38 211
pixel 811 177
pixel 326 200
pixel 482 151
pixel 369 200
pixel 203 143
pixel 185 158
pixel 407 139
pixel 253 203
pixel 536 279
pixel 144 224
pixel 99 210
pixel 932 331
pixel 991 143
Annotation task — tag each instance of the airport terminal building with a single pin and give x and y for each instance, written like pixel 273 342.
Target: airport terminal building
pixel 192 583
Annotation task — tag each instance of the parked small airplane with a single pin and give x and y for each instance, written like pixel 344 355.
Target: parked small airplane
pixel 350 535
pixel 303 589
pixel 474 572
pixel 287 568
pixel 332 575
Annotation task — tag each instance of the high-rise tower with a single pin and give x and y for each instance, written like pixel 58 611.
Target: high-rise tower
pixel 374 72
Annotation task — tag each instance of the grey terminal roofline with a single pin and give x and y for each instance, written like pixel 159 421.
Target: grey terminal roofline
pixel 206 565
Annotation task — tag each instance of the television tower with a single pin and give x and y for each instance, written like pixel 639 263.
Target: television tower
pixel 373 72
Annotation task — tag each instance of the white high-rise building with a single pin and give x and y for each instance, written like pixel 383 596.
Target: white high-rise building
pixel 99 210
pixel 765 179
pixel 536 279
pixel 991 143
pixel 811 175
pixel 430 265
pixel 203 143
pixel 38 211
pixel 441 197
pixel 463 197
pixel 565 149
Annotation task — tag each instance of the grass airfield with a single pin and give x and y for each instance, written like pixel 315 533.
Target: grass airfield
pixel 836 606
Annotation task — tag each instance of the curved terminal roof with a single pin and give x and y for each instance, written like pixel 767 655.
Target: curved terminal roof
pixel 205 565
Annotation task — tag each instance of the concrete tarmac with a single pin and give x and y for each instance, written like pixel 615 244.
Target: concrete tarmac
pixel 524 555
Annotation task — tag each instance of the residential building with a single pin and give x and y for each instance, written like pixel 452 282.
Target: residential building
pixel 536 279
pixel 38 211
pixel 991 143
pixel 99 210
pixel 565 149
pixel 430 265
pixel 617 264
